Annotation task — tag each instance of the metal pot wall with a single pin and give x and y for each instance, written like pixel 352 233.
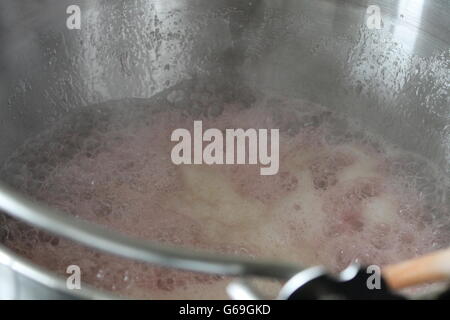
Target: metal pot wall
pixel 395 80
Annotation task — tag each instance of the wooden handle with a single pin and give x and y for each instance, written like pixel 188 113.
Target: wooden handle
pixel 428 268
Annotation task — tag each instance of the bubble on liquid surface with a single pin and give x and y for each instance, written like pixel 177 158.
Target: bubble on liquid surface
pixel 340 195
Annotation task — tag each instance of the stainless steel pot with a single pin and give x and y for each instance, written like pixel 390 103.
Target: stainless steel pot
pixel 394 79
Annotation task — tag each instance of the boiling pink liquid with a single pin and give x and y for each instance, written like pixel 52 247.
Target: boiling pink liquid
pixel 338 198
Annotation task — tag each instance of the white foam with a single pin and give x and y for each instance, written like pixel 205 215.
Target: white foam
pixel 333 201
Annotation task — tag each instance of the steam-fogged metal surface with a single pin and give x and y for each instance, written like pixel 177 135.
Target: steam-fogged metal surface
pixel 395 80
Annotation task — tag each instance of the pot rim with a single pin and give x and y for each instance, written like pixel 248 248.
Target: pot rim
pixel 60 223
